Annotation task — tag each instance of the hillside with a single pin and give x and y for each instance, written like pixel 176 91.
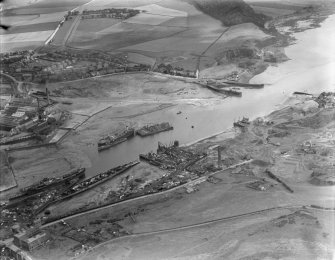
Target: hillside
pixel 230 12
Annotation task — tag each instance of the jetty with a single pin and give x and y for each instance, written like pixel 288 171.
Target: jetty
pixel 245 85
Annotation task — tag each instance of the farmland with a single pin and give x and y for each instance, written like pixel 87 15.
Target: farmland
pixel 120 35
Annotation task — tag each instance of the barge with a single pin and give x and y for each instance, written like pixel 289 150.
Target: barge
pixel 301 93
pixel 229 92
pixel 246 85
pixel 110 141
pixel 154 129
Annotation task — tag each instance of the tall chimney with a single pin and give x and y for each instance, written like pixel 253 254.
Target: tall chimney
pixel 47 92
pixel 219 156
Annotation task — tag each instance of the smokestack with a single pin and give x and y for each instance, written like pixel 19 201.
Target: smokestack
pixel 47 92
pixel 219 156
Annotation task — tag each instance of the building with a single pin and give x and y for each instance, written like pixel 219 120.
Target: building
pixel 30 240
pixel 9 251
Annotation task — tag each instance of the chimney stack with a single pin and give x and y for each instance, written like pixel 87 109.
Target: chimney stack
pixel 47 92
pixel 219 156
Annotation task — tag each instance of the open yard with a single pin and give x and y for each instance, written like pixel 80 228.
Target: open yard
pixel 46 162
pixel 7 179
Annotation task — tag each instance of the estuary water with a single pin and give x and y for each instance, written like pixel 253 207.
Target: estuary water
pixel 311 68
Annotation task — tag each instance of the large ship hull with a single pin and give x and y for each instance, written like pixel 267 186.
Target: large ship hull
pixel 155 129
pixel 246 85
pixel 122 137
pixel 110 174
pixel 228 92
pixel 34 189
pixel 107 146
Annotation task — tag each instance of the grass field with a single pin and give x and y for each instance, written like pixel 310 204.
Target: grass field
pixel 160 10
pixel 17 46
pixel 121 35
pixel 26 37
pixel 101 4
pixel 62 32
pixel 22 20
pixel 151 19
pixel 23 41
pixel 140 58
pixel 46 7
pixel 96 25
pixel 32 28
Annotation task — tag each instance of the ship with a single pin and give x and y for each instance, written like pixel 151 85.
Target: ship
pixel 110 141
pixel 229 92
pixel 41 201
pixel 150 158
pixel 154 129
pixel 47 183
pixel 242 123
pixel 247 85
pixel 96 180
pixel 15 139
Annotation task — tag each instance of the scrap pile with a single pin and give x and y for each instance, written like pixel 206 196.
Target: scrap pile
pixel 177 161
pixel 326 100
pixel 172 158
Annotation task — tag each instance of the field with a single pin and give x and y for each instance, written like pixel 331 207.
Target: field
pixel 139 58
pixel 25 37
pixel 101 4
pixel 96 25
pixel 25 20
pixel 17 46
pixel 120 35
pixel 46 162
pixel 17 41
pixel 46 7
pixel 50 26
pixel 32 22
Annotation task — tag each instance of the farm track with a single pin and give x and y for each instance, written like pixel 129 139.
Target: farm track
pixel 209 46
pixel 72 30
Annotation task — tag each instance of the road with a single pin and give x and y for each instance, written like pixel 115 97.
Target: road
pixel 73 28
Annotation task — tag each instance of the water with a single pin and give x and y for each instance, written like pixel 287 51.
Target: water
pixel 310 68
